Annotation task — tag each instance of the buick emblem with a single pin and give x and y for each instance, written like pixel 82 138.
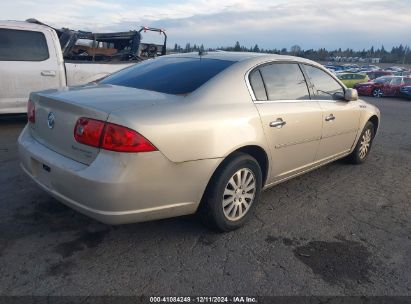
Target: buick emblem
pixel 50 120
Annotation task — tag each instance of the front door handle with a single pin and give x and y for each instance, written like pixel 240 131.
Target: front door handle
pixel 279 123
pixel 48 73
pixel 330 117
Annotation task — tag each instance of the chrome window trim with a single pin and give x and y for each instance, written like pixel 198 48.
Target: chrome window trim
pixel 254 99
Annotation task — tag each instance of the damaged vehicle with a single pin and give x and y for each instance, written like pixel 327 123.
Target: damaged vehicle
pixel 121 46
pixel 35 57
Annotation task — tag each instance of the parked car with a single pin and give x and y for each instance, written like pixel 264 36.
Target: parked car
pixel 351 79
pixel 371 67
pixel 34 57
pixel 402 73
pixel 405 91
pixel 190 132
pixel 373 87
pixel 395 69
pixel 383 86
pixel 376 74
pixel 393 87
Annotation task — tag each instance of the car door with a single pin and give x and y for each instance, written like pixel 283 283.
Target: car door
pixel 395 85
pixel 340 118
pixel 27 63
pixel 350 80
pixel 291 121
pixel 387 87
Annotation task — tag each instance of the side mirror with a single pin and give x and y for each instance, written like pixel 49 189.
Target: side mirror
pixel 351 95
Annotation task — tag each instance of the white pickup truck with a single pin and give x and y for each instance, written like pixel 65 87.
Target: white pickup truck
pixel 31 59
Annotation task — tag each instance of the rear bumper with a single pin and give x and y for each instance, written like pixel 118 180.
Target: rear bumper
pixel 118 188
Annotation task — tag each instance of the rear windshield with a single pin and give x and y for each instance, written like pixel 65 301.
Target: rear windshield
pixel 169 75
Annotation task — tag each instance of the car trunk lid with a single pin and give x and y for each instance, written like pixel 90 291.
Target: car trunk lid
pixel 57 112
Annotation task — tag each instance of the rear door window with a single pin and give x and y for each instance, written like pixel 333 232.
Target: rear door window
pixel 284 81
pixel 17 45
pixel 324 86
pixel 172 75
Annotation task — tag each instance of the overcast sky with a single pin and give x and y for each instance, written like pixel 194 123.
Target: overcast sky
pixel 355 24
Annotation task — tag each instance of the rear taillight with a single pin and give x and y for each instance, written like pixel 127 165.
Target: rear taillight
pixel 31 112
pixel 88 131
pixel 110 136
pixel 122 139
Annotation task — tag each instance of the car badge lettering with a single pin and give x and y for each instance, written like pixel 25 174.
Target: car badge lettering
pixel 50 120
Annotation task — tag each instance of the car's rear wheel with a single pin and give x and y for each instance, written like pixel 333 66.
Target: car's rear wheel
pixel 363 147
pixel 377 93
pixel 232 193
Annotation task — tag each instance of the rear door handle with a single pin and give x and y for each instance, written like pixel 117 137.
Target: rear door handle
pixel 48 73
pixel 279 123
pixel 330 117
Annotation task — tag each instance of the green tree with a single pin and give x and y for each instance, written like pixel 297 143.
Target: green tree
pixel 256 49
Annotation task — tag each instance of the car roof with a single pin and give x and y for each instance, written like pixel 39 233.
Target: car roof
pixel 239 56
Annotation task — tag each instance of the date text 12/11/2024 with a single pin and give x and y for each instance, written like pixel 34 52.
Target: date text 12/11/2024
pixel 204 299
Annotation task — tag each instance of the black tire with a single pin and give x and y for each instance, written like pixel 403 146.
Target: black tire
pixel 356 156
pixel 211 209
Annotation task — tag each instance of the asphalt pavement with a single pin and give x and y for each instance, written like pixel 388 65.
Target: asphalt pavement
pixel 338 230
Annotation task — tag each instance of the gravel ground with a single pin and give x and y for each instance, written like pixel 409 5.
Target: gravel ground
pixel 339 230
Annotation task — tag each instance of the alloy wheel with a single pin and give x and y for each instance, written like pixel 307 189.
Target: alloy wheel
pixel 365 144
pixel 239 194
pixel 377 93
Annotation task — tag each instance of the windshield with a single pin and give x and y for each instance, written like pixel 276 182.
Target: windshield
pixel 169 75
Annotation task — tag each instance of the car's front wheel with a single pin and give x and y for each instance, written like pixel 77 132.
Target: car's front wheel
pixel 232 193
pixel 363 147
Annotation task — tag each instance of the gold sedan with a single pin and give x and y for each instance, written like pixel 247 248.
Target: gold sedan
pixel 191 132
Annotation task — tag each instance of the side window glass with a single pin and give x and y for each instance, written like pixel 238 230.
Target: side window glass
pixel 284 81
pixel 18 45
pixel 257 85
pixel 396 81
pixel 324 86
